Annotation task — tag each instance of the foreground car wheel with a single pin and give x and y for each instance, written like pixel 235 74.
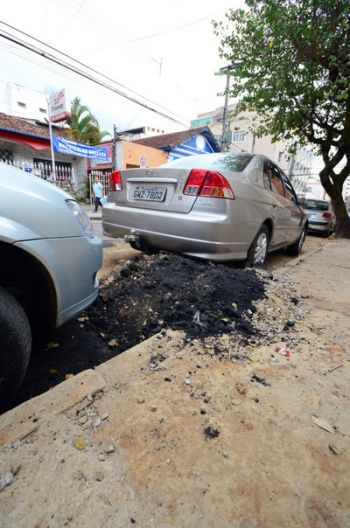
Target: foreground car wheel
pixel 15 344
pixel 258 250
pixel 295 249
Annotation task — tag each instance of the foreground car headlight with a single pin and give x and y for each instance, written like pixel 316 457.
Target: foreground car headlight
pixel 81 217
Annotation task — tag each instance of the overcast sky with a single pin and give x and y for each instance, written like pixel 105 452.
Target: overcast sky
pixel 163 50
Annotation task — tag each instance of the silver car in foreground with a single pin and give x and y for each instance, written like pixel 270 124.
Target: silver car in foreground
pixel 49 261
pixel 219 207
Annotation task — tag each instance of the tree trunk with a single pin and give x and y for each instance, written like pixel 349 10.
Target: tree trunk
pixel 333 185
pixel 343 221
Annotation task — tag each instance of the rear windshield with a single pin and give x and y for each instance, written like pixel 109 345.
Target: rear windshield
pixel 222 161
pixel 318 205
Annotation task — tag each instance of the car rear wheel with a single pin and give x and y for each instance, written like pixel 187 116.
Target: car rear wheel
pixel 327 233
pixel 258 250
pixel 296 247
pixel 15 344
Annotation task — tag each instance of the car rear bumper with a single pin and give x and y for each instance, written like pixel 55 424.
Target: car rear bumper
pixel 208 237
pixel 320 226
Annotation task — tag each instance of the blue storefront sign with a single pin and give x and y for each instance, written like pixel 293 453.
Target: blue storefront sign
pixel 77 149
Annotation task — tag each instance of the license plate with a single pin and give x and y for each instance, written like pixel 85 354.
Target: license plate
pixel 150 194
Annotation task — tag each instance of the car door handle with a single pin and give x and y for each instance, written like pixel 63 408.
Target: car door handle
pixel 274 205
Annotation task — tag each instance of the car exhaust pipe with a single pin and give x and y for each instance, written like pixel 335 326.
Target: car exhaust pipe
pixel 133 237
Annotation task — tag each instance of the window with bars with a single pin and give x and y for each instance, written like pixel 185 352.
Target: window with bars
pixel 6 156
pixel 238 137
pixel 63 169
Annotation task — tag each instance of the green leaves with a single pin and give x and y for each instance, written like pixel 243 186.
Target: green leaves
pixel 292 67
pixel 83 124
pixel 291 55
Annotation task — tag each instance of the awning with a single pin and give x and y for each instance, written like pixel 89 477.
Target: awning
pixel 34 142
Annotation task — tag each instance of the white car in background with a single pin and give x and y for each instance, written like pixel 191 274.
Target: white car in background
pixel 49 261
pixel 320 215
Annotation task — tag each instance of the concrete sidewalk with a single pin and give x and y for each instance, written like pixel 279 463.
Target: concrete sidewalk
pixel 90 210
pixel 123 444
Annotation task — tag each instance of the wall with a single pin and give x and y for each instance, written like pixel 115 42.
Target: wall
pixel 35 102
pixel 129 153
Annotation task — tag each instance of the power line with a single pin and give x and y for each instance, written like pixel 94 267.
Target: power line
pixel 178 28
pixel 46 55
pixel 75 13
pixel 101 27
pixel 74 69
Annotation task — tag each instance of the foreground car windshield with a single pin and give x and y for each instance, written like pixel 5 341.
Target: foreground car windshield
pixel 318 205
pixel 231 162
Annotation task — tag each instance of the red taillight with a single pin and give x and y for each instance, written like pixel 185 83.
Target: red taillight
pixel 194 182
pixel 201 182
pixel 115 181
pixel 327 215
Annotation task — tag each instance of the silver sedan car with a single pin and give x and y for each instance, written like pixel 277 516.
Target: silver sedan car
pixel 49 261
pixel 221 207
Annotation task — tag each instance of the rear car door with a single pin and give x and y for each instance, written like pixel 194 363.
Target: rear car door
pixel 296 212
pixel 281 213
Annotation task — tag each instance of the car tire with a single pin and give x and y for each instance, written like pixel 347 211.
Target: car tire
pixel 15 345
pixel 295 248
pixel 258 250
pixel 327 233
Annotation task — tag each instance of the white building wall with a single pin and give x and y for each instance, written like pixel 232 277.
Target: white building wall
pixel 4 103
pixel 346 188
pixel 20 101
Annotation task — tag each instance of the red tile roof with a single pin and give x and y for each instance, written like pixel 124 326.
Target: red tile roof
pixel 26 126
pixel 170 140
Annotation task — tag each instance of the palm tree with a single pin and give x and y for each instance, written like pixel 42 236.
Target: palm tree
pixel 84 126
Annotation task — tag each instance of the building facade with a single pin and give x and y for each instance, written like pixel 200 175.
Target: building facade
pixel 26 145
pixel 199 140
pixel 18 101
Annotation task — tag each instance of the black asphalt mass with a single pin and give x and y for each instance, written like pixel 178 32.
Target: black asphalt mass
pixel 157 292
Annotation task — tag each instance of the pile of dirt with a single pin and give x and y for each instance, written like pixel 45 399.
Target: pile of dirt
pixel 153 293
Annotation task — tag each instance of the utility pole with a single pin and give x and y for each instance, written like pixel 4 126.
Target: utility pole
pixel 292 162
pixel 115 139
pixel 291 167
pixel 53 171
pixel 253 141
pixel 225 124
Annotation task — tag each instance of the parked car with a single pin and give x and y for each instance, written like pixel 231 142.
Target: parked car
pixel 49 261
pixel 221 207
pixel 320 215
